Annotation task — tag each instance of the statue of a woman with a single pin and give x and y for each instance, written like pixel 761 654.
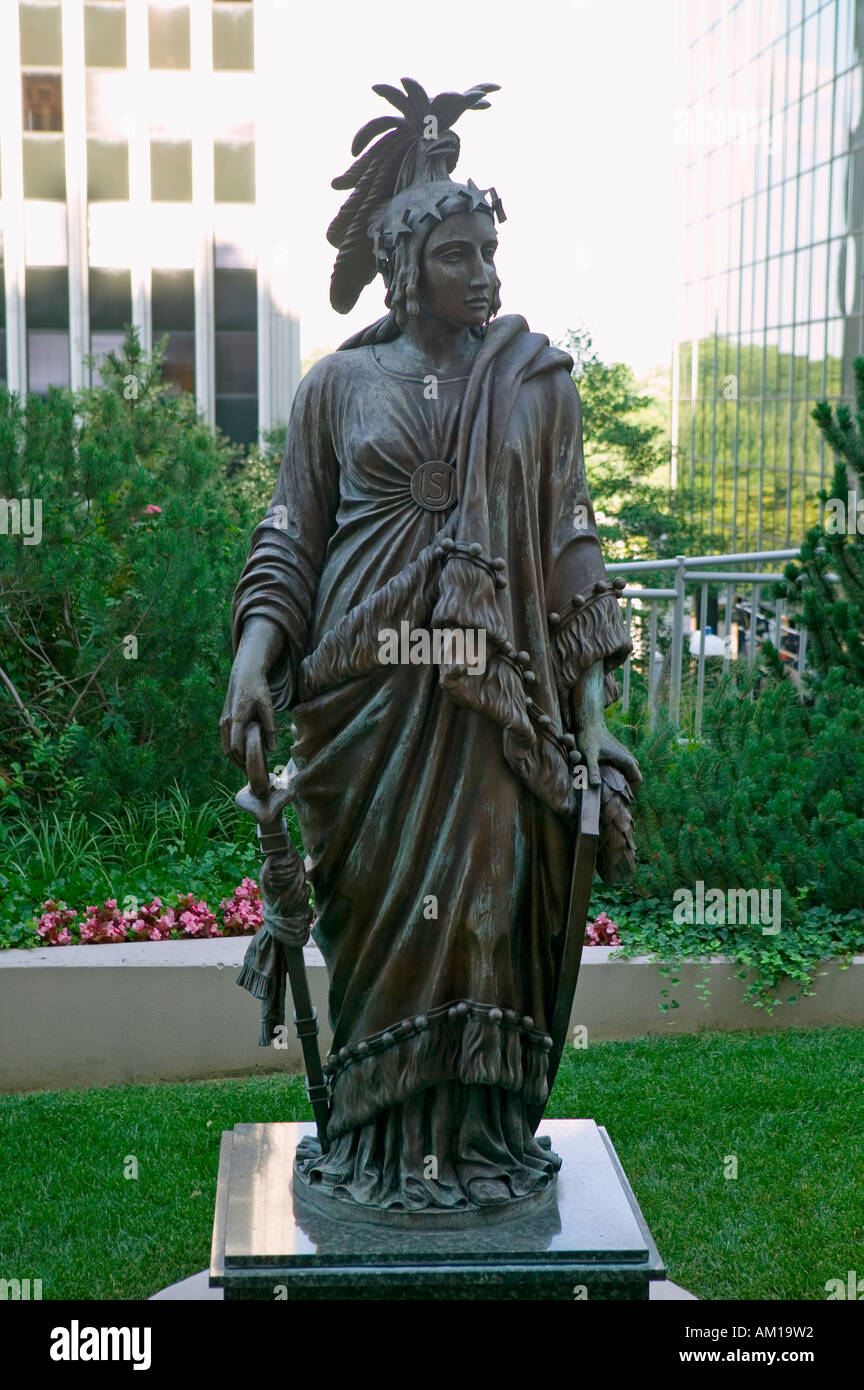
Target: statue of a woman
pixel 432 481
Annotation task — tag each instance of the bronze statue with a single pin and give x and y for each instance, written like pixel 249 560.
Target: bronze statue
pixel 432 483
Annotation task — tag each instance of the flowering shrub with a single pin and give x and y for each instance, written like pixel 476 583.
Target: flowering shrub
pixel 242 913
pixel 54 923
pixel 190 919
pixel 151 922
pixel 102 925
pixel 602 932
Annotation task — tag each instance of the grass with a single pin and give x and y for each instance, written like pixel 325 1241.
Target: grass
pixel 788 1105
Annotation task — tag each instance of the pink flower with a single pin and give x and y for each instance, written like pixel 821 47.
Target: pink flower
pixel 242 913
pixel 602 932
pixel 54 922
pixel 103 925
pixel 151 509
pixel 195 918
pixel 190 919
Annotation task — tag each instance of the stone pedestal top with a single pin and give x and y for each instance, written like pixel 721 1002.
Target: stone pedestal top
pixel 590 1241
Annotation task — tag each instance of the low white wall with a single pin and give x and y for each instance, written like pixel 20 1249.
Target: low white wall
pixel 99 1015
pixel 621 998
pixel 148 1011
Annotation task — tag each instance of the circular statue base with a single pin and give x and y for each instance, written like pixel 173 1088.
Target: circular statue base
pixel 318 1196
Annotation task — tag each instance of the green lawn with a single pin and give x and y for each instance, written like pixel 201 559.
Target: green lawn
pixel 788 1105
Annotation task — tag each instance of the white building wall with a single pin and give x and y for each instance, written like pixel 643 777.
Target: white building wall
pixel 12 205
pixel 139 235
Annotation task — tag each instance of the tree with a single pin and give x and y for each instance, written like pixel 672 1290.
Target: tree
pixel 828 581
pixel 626 454
pixel 114 628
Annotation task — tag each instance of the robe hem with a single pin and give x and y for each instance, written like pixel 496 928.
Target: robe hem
pixel 477 1044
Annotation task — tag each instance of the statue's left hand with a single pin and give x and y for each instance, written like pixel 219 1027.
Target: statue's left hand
pixel 599 746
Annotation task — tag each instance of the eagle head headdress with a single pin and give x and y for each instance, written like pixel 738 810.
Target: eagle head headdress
pixel 403 181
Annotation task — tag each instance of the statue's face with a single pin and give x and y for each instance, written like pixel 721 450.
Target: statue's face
pixel 457 269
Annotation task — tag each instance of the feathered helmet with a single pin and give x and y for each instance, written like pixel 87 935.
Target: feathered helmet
pixel 402 185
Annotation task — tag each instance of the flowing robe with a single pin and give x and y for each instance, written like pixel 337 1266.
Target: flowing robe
pixel 436 805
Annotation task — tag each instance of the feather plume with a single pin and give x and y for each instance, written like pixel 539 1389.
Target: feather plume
pixel 403 155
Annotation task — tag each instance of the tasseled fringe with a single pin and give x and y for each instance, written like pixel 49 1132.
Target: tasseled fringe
pixel 593 633
pixel 351 648
pixel 264 973
pixel 498 693
pixel 474 1044
pixel 255 981
pixel 467 600
pixel 511 1060
pixel 543 768
pixel 478 1062
pixel 535 1087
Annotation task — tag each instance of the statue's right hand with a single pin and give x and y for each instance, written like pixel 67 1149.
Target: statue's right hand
pixel 248 701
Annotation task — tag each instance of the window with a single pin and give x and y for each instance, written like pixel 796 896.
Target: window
pixel 236 364
pixel 107 171
pixel 171 171
pixel 235 295
pixel 178 364
pixel 236 351
pixel 47 361
pixel 42 100
pixel 169 36
pixel 100 346
pixel 238 418
pixel 173 302
pixel 46 292
pixel 44 167
pixel 41 38
pixel 110 298
pixel 233 46
pixel 104 36
pixel 233 173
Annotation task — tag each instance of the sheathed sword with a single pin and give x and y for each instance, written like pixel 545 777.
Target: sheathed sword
pixel 286 920
pixel 581 881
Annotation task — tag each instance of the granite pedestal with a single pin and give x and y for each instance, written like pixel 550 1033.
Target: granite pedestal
pixel 589 1242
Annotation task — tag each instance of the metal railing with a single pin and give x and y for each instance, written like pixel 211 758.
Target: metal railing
pixel 690 570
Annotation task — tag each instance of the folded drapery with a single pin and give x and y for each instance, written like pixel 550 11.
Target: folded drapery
pixel 435 805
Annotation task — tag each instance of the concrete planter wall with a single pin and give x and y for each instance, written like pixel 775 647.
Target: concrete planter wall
pixel 99 1015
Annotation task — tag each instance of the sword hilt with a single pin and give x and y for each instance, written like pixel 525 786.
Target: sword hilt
pixel 263 797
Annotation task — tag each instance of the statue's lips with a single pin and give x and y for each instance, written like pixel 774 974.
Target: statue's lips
pixel 479 302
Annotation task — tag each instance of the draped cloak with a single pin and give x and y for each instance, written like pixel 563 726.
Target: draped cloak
pixel 436 806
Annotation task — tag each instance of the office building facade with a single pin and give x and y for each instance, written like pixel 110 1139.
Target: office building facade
pixel 770 308
pixel 140 183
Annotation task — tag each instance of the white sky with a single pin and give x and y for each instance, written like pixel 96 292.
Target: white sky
pixel 578 142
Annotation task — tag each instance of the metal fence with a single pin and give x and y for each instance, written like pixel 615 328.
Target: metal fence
pixel 746 623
